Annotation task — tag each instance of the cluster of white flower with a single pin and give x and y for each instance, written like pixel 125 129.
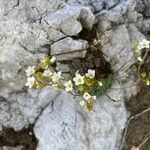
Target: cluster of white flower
pixel 143 44
pixel 87 97
pixel 30 80
pixel 45 75
pixel 80 80
pixel 30 71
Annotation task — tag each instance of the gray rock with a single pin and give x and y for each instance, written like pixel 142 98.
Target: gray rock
pixel 96 5
pixel 120 52
pixel 46 95
pixel 71 27
pixel 140 6
pixel 124 6
pixel 71 127
pixel 70 56
pixel 18 111
pixel 66 125
pixel 147 6
pixel 145 25
pixel 140 23
pixel 38 8
pixel 135 35
pixel 103 24
pixel 68 45
pixel 106 18
pixel 60 123
pixel 132 16
pixel 103 4
pixel 62 67
pixel 114 17
pixel 81 13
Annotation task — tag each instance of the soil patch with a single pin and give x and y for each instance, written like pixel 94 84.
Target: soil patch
pixel 25 138
pixel 140 126
pixel 94 58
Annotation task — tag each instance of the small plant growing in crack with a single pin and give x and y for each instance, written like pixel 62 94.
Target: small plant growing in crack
pixel 90 76
pixel 141 51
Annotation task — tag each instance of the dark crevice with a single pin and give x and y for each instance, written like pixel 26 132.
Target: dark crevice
pixel 17 4
pixel 94 58
pixel 25 138
pixel 139 127
pixel 105 7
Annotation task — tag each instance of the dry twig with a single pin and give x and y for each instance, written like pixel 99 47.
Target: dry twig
pixel 128 122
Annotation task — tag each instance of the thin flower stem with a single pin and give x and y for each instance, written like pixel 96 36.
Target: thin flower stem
pixel 140 65
pixel 145 140
pixel 128 122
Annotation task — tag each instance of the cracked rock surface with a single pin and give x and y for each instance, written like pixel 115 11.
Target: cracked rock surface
pixel 28 30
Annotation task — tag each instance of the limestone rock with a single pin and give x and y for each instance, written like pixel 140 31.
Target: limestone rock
pixel 106 18
pixel 145 25
pixel 71 27
pixel 68 45
pixel 120 51
pixel 135 35
pixel 27 30
pixel 104 4
pixel 68 126
pixel 83 14
pixel 124 6
pixel 64 68
pixel 71 127
pixel 70 56
pixel 147 6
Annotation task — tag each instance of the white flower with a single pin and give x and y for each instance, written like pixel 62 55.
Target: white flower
pixel 53 59
pixel 78 79
pixel 100 83
pixel 148 82
pixel 69 86
pixel 30 70
pixel 30 81
pixel 86 96
pixel 90 73
pixel 56 77
pixel 47 73
pixel 143 44
pixel 94 98
pixel 135 148
pixel 139 59
pixel 82 103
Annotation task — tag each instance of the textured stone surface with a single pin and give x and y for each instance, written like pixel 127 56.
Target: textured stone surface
pixel 81 13
pixel 82 127
pixel 147 6
pixel 106 18
pixel 135 35
pixel 71 27
pixel 27 30
pixel 70 56
pixel 74 128
pixel 63 67
pixel 120 53
pixel 68 45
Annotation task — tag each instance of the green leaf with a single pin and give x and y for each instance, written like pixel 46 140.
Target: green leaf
pixel 100 90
